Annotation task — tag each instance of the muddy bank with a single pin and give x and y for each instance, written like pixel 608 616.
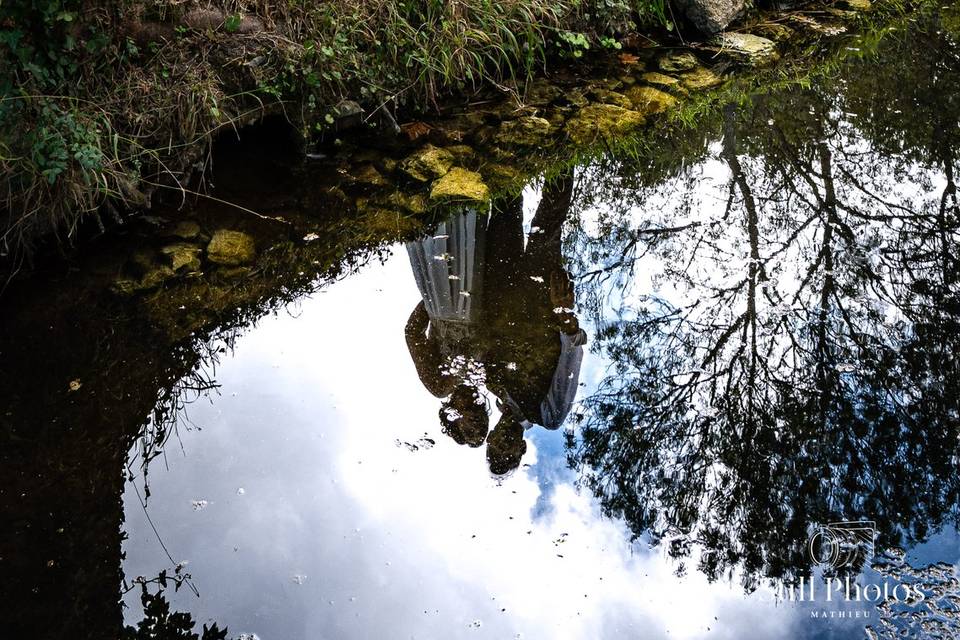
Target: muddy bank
pixel 118 108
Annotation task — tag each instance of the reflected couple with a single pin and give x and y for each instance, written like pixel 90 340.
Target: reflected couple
pixel 497 316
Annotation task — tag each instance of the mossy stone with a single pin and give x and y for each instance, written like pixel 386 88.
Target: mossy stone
pixel 231 248
pixel 678 61
pixel 460 184
pixel 528 131
pixel 183 256
pixel 747 48
pixel 664 82
pixel 602 121
pixel 541 92
pixel 606 96
pixel 648 101
pixel 427 163
pixel 701 79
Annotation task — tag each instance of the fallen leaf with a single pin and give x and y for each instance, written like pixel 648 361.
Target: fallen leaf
pixel 414 130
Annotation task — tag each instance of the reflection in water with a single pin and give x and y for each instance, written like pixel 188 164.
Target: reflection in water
pixel 497 311
pixel 773 307
pixel 786 351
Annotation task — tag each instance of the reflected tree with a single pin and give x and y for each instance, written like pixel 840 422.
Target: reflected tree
pixel 791 361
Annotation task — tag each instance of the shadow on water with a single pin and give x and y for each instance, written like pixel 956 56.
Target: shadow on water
pixel 778 305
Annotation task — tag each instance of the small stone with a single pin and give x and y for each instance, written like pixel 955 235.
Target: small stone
pixel 367 174
pixel 606 96
pixel 856 5
pixel 678 61
pixel 504 176
pixel 427 163
pixel 774 31
pixel 602 121
pixel 462 153
pixel 182 255
pixel 460 184
pixel 747 48
pixel 231 248
pixel 187 230
pixel 660 80
pixel 540 93
pixel 528 131
pixel 389 164
pixel 576 98
pixel 701 79
pixel 155 277
pixel 648 101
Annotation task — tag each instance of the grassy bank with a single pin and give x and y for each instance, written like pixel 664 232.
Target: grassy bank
pixel 102 102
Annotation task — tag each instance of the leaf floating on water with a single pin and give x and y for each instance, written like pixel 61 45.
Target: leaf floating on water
pixel 199 504
pixel 74 385
pixel 299 578
pixel 536 278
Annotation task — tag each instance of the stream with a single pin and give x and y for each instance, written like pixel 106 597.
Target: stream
pixel 708 389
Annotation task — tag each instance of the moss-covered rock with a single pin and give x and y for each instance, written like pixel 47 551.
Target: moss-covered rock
pixel 773 31
pixel 647 100
pixel 187 230
pixel 606 96
pixel 541 92
pixel 677 61
pixel 528 131
pixel 183 256
pixel 427 163
pixel 747 48
pixel 602 121
pixel 856 5
pixel 664 82
pixel 701 79
pixel 463 154
pixel 231 248
pixel 460 184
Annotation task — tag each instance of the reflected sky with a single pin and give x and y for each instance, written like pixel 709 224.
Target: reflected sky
pixel 320 523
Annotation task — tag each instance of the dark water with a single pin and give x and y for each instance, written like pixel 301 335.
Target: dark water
pixel 614 405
